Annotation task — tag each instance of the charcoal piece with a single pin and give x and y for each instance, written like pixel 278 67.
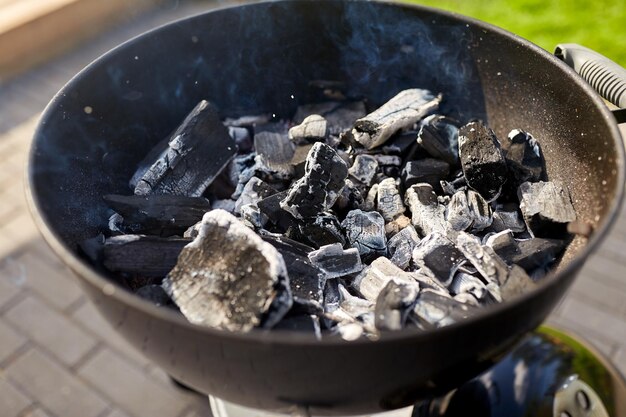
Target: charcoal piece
pixel 517 283
pixel 369 203
pixel 428 170
pixel 393 305
pixel 490 266
pixel 319 188
pixel 254 190
pixel 242 138
pixel 195 154
pixel 374 277
pixel 365 231
pixel 357 307
pixel 529 254
pixel 482 160
pixel 364 169
pixel 324 229
pixel 252 216
pixel 480 211
pixel 388 160
pixel 435 310
pixel 299 158
pixel 467 298
pixel 454 186
pixel 237 285
pixel 439 137
pixel 400 247
pixel 300 323
pixel 270 206
pixel 458 212
pixel 427 215
pixel 117 227
pixel 306 280
pixel 463 283
pixel 248 121
pixel 395 226
pixel 156 295
pixel 225 204
pixel 546 207
pixel 524 158
pixel 163 215
pixel 148 256
pixel 503 243
pixel 388 200
pixel 400 144
pixel 274 151
pixel 335 261
pixel 350 331
pixel 240 170
pixel 437 257
pixel 332 296
pixel 350 198
pixel 508 219
pixel 401 112
pixel 312 129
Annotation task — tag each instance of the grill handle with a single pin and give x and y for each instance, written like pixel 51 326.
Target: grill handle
pixel 604 75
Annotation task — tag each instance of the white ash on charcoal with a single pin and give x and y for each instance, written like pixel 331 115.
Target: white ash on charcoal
pixel 350 198
pixel 388 200
pixel 529 254
pixel 428 170
pixel 401 112
pixel 313 128
pixel 366 232
pixel 225 204
pixel 482 160
pixel 335 261
pixel 248 121
pixel 435 310
pixel 427 215
pixel 394 227
pixel 241 266
pixel 374 277
pixel 324 178
pixel 369 203
pixel 252 217
pixel 400 247
pixel 464 283
pixel 394 304
pixel 402 144
pixel 254 190
pixel 191 158
pixel 524 158
pixel 546 207
pixel 242 138
pixel 468 210
pixel 340 116
pixel 439 137
pixel 364 169
pixel 358 308
pixel 490 266
pixel 437 257
pixel 455 185
pixel 274 151
pixel 510 219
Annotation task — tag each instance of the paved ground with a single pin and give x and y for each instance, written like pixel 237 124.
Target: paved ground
pixel 58 358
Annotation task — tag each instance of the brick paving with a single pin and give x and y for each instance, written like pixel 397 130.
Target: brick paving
pixel 59 358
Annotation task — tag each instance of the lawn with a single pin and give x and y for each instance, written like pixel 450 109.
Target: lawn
pixel 598 24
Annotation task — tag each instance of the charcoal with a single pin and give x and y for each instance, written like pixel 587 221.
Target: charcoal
pixel 482 160
pixel 508 219
pixel 241 266
pixel 401 112
pixel 467 298
pixel 400 247
pixel 365 231
pixel 252 217
pixel 393 305
pixel 270 206
pixel 503 243
pixel 317 191
pixel 274 151
pixel 428 170
pixel 374 277
pixel 193 157
pixel 156 295
pixel 350 331
pixel 436 310
pixel 388 160
pixel 388 200
pixel 117 227
pixel 312 129
pixel 546 207
pixel 395 226
pixel 248 121
pixel 335 261
pixel 490 266
pixel 480 210
pixel 343 117
pixel 458 212
pixel 427 215
pixel 225 204
pixel 369 203
pixel 350 198
pixel 517 283
pixel 400 144
pixel 437 257
pixel 254 190
pixel 463 283
pixel 301 323
pixel 524 158
pixel 324 229
pixel 356 307
pixel 148 256
pixel 529 254
pixel 241 169
pixel 162 215
pixel 332 296
pixel 242 138
pixel 299 158
pixel 364 169
pixel 439 137
pixel 454 186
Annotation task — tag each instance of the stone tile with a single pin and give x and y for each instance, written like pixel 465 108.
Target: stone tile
pixel 52 386
pixel 589 288
pixel 12 278
pixel 594 320
pixel 619 359
pixel 604 345
pixel 37 412
pixel 51 330
pixel 21 230
pixel 131 388
pixel 90 319
pixel 117 413
pixel 10 341
pixel 56 286
pixel 12 401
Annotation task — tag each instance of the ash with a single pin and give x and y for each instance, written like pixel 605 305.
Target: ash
pixel 347 221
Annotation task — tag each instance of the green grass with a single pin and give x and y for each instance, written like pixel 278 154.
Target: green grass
pixel 597 24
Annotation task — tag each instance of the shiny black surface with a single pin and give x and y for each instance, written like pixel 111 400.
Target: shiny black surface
pixel 254 59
